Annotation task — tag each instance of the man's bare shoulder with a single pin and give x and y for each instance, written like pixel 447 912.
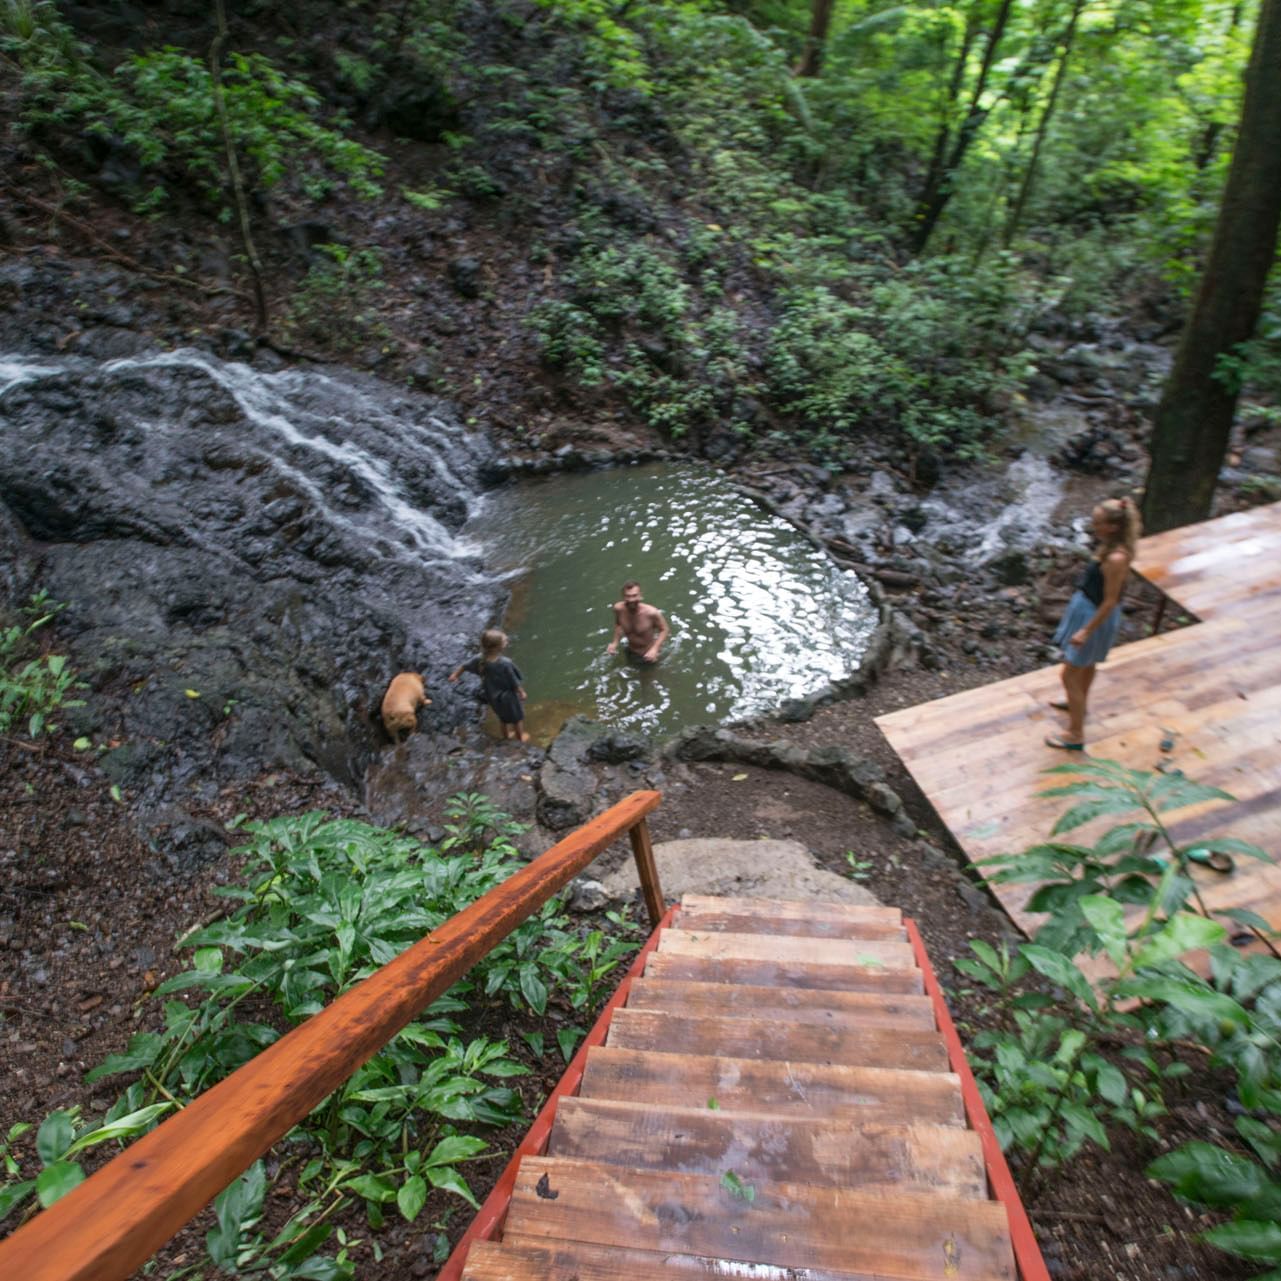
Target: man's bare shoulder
pixel 617 607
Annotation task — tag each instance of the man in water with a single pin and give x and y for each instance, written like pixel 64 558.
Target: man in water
pixel 642 626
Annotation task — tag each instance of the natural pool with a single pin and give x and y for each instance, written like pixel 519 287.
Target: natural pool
pixel 757 613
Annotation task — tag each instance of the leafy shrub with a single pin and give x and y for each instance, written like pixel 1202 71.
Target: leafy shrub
pixel 160 105
pixel 570 340
pixel 333 306
pixel 33 688
pixel 322 904
pixel 1049 1082
pixel 630 285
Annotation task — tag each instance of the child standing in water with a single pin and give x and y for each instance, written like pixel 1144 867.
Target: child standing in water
pixel 500 680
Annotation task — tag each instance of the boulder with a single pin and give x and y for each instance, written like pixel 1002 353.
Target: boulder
pixel 750 869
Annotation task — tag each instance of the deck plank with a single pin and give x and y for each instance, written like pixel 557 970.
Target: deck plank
pixel 788 1004
pixel 869 953
pixel 786 974
pixel 769 923
pixel 752 1038
pixel 758 1145
pixel 793 1225
pixel 888 1095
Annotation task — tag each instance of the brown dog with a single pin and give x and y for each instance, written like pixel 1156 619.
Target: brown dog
pixel 404 696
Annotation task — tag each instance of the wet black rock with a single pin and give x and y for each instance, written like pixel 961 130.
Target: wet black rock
pixel 465 276
pixel 617 747
pixel 244 557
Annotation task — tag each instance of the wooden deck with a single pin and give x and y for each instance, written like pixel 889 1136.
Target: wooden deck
pixel 1213 687
pixel 777 1097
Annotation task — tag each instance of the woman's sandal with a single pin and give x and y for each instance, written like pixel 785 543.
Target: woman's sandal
pixel 1053 740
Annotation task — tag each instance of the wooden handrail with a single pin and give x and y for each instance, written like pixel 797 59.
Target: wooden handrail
pixel 119 1217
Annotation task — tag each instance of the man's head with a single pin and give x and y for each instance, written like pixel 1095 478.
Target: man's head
pixel 631 595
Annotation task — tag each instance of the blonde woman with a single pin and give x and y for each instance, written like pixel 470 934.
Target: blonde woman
pixel 1090 621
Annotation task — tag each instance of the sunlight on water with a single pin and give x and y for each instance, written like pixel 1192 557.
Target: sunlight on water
pixel 757 614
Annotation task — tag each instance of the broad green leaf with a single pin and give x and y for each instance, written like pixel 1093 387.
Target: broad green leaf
pixel 1211 1175
pixel 54 1137
pixel 448 1178
pixel 1190 996
pixel 1111 1083
pixel 123 1128
pixel 56 1180
pixel 568 1038
pixel 1251 1239
pixel 1182 933
pixel 373 1187
pixel 1107 919
pixel 1082 1121
pixel 456 1147
pixel 1088 811
pixel 412 1197
pixel 1243 916
pixel 534 989
pixel 13 1195
pixel 306 1245
pixel 208 959
pixel 1060 969
pixel 1230 845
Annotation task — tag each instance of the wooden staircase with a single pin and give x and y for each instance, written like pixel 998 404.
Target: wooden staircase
pixel 775 1100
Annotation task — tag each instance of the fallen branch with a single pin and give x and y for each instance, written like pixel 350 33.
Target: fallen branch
pixel 168 277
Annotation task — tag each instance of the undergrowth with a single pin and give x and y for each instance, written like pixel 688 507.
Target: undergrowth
pixel 321 904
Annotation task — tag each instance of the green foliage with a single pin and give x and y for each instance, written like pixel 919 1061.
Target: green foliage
pixel 334 304
pixel 570 339
pixel 34 687
pixel 1053 1079
pixel 159 104
pixel 321 905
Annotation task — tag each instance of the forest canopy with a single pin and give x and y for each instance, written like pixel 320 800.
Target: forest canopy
pixel 784 220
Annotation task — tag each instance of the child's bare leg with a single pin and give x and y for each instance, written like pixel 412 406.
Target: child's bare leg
pixel 519 727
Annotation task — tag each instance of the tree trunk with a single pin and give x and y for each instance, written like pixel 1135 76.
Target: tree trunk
pixel 1210 135
pixel 1042 128
pixel 938 189
pixel 233 166
pixel 1194 418
pixel 820 19
pixel 934 175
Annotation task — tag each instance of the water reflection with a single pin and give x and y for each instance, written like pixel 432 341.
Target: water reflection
pixel 757 614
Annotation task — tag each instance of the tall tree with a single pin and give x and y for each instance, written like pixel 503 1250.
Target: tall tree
pixel 1043 127
pixel 1194 418
pixel 820 19
pixel 947 160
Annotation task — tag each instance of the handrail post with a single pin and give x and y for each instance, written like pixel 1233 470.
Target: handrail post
pixel 648 870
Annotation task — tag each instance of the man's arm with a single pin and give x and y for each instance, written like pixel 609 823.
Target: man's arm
pixel 663 633
pixel 612 647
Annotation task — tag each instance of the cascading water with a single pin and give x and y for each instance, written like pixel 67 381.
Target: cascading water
pixel 276 543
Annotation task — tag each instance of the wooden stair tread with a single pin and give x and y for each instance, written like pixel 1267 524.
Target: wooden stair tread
pixel 937 1159
pixel 768 923
pixel 866 953
pixel 792 1225
pixel 750 1038
pixel 836 1009
pixel 802 909
pixel 786 974
pixel 886 1095
pixel 519 1258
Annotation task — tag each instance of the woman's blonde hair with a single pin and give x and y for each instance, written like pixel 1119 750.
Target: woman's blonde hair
pixel 492 642
pixel 1125 525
